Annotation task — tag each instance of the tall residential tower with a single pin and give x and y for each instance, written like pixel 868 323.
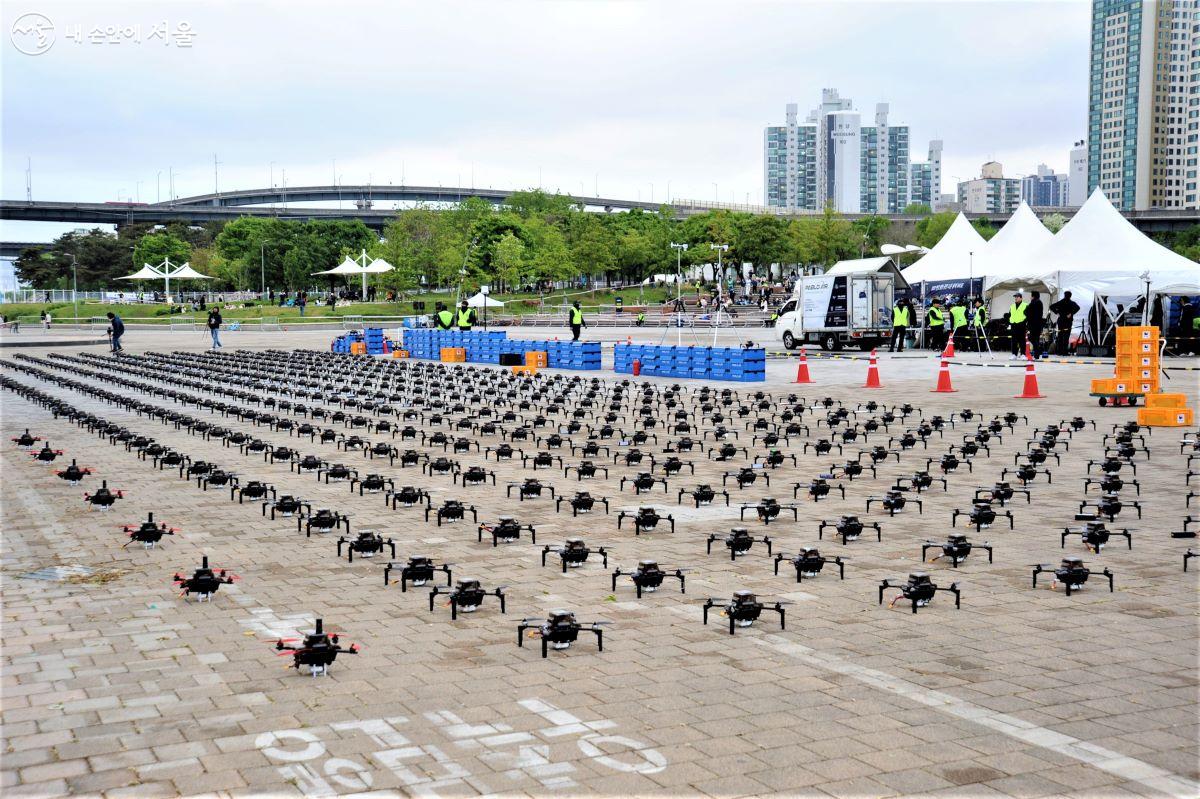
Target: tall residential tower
pixel 831 157
pixel 1143 102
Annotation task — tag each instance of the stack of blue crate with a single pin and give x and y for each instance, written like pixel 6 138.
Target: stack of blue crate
pixel 717 363
pixel 486 346
pixel 342 343
pixel 374 339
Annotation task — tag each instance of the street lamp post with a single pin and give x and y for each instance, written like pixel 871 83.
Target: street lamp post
pixel 74 286
pixel 262 267
pixel 679 249
pixel 720 248
pixel 484 290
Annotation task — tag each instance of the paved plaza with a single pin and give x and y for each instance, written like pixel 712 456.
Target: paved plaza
pixel 114 685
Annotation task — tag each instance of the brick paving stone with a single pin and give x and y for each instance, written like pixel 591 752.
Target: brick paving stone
pixel 121 672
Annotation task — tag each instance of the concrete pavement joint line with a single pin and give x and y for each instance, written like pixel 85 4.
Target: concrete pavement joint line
pixel 1123 766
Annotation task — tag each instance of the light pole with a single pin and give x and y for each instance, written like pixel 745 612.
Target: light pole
pixel 262 267
pixel 679 249
pixel 74 286
pixel 158 187
pixel 484 290
pixel 720 248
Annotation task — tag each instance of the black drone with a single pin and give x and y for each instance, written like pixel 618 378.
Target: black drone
pixel 26 440
pixel 895 500
pixel 581 502
pixel 103 498
pixel 746 476
pixel 407 496
pixel 768 509
pixel 809 562
pixel 981 515
pixel 819 488
pixel 920 480
pixel 530 488
pixel 648 577
pixel 643 483
pixel 367 544
pixel 919 589
pixel 148 534
pixel 204 582
pixel 451 510
pixel 738 541
pixel 1071 573
pixel 506 530
pixel 323 520
pixel 645 518
pixel 1095 535
pixel 703 494
pixel 1001 492
pixel 558 631
pixel 573 553
pixel 74 473
pixel 286 506
pixel 744 609
pixel 849 528
pixel 318 651
pixel 1110 504
pixel 466 596
pixel 419 571
pixel 955 548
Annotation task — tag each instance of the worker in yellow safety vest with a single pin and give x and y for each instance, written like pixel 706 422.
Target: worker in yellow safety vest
pixel 575 313
pixel 935 321
pixel 466 317
pixel 958 321
pixel 443 319
pixel 1016 324
pixel 901 319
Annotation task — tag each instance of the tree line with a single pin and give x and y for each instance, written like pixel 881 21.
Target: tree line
pixel 534 239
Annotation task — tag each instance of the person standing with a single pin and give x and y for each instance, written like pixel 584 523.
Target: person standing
pixel 1065 310
pixel 1016 324
pixel 575 315
pixel 935 320
pixel 958 321
pixel 214 327
pixel 465 318
pixel 116 330
pixel 978 327
pixel 302 300
pixel 901 319
pixel 1035 321
pixel 442 318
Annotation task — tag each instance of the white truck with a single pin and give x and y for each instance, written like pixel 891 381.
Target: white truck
pixel 850 309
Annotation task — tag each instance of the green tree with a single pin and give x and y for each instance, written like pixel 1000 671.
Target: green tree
pixel 984 228
pixel 508 259
pixel 830 238
pixel 1054 222
pixel 760 239
pixel 872 230
pixel 915 209
pixel 154 248
pixel 931 229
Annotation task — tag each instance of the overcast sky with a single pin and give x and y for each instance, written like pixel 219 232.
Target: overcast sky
pixel 623 96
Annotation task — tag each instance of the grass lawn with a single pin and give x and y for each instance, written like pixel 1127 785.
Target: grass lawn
pixel 515 304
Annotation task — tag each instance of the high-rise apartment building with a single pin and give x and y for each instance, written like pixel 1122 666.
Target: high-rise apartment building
pixel 1046 189
pixel 831 157
pixel 1078 175
pixel 990 193
pixel 1143 102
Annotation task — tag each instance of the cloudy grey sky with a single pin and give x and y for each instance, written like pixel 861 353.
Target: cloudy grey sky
pixel 624 95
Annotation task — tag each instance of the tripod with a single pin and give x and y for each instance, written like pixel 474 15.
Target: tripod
pixel 981 332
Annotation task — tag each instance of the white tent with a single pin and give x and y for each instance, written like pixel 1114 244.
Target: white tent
pixel 1022 235
pixel 482 300
pixel 951 257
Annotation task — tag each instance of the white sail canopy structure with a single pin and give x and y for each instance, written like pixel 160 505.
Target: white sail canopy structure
pixel 166 271
pixel 951 257
pixel 363 265
pixel 1022 235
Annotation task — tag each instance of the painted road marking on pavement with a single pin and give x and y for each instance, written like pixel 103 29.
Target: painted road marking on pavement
pixel 1123 766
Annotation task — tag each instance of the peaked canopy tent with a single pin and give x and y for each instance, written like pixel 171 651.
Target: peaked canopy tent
pixel 1022 235
pixel 359 266
pixel 481 300
pixel 166 271
pixel 950 258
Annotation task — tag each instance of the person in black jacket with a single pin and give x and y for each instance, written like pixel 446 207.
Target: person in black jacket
pixel 1035 319
pixel 116 330
pixel 1064 310
pixel 214 327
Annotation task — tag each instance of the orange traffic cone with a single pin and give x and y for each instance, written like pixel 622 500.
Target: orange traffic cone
pixel 802 369
pixel 943 383
pixel 1030 390
pixel 949 351
pixel 873 373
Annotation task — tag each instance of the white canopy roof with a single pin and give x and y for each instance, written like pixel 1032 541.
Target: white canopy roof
pixel 1022 235
pixel 353 267
pixel 145 273
pixel 950 257
pixel 186 272
pixel 860 266
pixel 1097 239
pixel 480 300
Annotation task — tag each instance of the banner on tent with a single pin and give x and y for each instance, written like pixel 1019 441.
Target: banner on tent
pixel 972 287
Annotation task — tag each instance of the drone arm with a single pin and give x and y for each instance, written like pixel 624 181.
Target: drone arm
pixel 1109 575
pixel 1036 571
pixel 988 547
pixel 782 615
pixel 767 540
pixel 603 553
pixel 883 586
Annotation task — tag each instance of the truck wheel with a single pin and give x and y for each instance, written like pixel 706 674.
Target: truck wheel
pixel 831 342
pixel 789 341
